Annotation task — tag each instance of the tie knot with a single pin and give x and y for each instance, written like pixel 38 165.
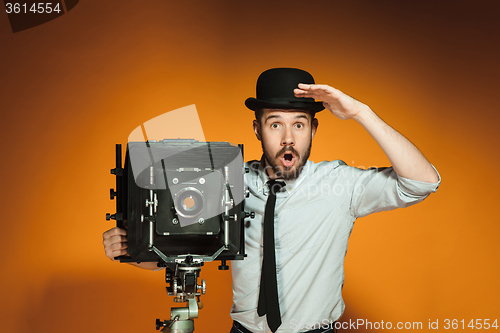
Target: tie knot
pixel 275 185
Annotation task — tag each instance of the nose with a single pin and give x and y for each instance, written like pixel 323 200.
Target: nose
pixel 288 139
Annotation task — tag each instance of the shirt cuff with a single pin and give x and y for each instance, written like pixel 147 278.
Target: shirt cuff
pixel 417 187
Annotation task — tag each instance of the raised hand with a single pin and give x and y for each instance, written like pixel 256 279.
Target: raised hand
pixel 339 104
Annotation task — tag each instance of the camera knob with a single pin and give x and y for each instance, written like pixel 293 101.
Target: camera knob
pixel 117 171
pixel 160 324
pixel 223 266
pixel 110 216
pixel 250 215
pixel 203 287
pixel 112 193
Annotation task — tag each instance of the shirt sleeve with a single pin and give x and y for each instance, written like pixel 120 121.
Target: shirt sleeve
pixel 380 189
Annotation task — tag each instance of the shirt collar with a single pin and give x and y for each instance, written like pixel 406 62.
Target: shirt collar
pixel 262 178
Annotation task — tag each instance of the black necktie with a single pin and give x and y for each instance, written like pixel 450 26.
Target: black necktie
pixel 268 294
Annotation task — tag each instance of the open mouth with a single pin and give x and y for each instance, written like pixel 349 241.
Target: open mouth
pixel 288 159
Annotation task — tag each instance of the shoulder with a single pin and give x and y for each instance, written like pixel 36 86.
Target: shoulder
pixel 252 167
pixel 333 171
pixel 253 174
pixel 325 171
pixel 326 166
pixel 252 164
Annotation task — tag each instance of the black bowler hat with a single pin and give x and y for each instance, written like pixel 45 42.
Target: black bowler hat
pixel 275 91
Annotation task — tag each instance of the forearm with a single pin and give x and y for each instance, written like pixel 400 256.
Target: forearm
pixel 405 158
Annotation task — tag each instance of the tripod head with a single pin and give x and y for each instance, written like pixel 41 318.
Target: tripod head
pixel 182 280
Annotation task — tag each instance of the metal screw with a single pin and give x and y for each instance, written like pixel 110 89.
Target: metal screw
pixel 201 221
pixel 175 220
pixel 202 181
pixel 175 180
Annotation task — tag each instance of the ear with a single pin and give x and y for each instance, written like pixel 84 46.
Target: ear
pixel 256 129
pixel 314 127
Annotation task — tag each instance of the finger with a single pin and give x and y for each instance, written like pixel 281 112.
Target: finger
pixel 119 239
pixel 312 94
pixel 313 87
pixel 109 248
pixel 117 246
pixel 304 90
pixel 304 86
pixel 110 245
pixel 317 91
pixel 113 254
pixel 113 232
pixel 300 93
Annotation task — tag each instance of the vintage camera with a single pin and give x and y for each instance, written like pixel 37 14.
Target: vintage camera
pixel 181 197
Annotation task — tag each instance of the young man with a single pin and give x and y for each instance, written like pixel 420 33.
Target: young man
pixel 291 280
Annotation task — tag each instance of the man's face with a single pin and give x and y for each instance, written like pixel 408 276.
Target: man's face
pixel 286 137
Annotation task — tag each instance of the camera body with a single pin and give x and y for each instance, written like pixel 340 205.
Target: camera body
pixel 179 198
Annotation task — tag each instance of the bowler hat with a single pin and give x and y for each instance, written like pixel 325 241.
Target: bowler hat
pixel 275 91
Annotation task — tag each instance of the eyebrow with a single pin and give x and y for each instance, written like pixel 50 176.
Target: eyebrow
pixel 277 116
pixel 271 117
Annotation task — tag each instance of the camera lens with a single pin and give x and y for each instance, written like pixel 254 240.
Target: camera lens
pixel 189 202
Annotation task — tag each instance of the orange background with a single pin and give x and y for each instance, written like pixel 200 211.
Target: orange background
pixel 73 87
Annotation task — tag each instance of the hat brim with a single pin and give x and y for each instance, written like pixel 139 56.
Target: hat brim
pixel 257 104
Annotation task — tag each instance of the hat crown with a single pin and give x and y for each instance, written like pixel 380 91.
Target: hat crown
pixel 277 84
pixel 275 91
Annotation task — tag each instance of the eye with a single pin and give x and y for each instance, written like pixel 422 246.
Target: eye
pixel 299 126
pixel 275 125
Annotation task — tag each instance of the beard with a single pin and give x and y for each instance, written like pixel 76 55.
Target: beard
pixel 286 173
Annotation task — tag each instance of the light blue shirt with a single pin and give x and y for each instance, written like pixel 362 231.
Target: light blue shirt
pixel 314 217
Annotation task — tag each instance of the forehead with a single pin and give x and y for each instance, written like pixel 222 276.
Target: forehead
pixel 285 114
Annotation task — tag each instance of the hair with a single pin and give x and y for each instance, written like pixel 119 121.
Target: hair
pixel 260 112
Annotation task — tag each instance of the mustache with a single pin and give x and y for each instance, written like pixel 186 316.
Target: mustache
pixel 287 149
